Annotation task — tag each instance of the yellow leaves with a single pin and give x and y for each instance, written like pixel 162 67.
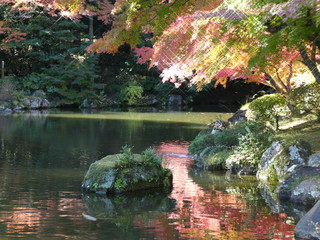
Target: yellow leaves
pixel 221 81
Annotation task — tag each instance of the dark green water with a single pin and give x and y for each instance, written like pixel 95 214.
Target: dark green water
pixel 43 159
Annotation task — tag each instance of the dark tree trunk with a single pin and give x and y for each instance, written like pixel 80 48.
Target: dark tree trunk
pixel 310 64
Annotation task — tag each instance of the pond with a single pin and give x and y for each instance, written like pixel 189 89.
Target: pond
pixel 44 156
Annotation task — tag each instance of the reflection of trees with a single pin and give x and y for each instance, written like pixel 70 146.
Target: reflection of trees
pixel 42 164
pixel 211 212
pixel 39 141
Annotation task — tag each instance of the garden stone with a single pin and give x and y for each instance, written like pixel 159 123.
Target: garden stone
pixel 280 161
pixel 85 104
pixel 7 111
pixel 17 109
pixel 307 192
pixel 238 116
pixel 292 184
pixel 93 105
pixel 26 102
pixel 299 153
pixel 175 100
pixel 309 225
pixel 35 103
pixel 218 126
pixel 105 176
pixel 269 159
pixel 314 160
pixel 45 103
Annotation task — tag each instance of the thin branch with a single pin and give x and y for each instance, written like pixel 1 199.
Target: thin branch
pixel 289 77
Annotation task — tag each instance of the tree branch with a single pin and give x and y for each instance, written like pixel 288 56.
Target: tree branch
pixel 274 84
pixel 310 64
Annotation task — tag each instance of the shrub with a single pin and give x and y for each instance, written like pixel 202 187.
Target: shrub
pixel 305 100
pixel 200 143
pixel 268 108
pixel 217 160
pixel 7 87
pixel 230 136
pixel 247 154
pixel 236 148
pixel 128 159
pixel 131 94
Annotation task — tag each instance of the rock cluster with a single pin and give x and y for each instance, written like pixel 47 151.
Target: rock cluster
pixel 294 171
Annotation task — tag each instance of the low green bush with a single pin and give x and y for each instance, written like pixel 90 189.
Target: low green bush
pixel 217 160
pixel 200 143
pixel 230 136
pixel 128 159
pixel 238 147
pixel 305 100
pixel 268 109
pixel 247 154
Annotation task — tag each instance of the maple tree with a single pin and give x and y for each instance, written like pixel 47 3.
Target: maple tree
pixel 201 41
pixel 198 41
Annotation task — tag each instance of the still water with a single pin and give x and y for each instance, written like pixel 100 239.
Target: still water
pixel 43 158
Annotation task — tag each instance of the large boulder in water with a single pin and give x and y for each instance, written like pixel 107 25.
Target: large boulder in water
pixel 126 172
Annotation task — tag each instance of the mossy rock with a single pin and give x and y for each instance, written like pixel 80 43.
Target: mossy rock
pixel 280 159
pixel 106 176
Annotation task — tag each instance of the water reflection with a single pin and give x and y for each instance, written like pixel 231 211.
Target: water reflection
pixel 43 161
pixel 214 206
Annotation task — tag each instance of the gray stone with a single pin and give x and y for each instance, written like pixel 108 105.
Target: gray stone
pixel 175 100
pixel 269 159
pixel 314 160
pixel 307 192
pixel 26 102
pixel 7 111
pixel 17 109
pixel 299 153
pixel 93 105
pixel 45 103
pixel 309 225
pixel 280 161
pixel 85 104
pixel 218 126
pixel 238 116
pixel 301 174
pixel 35 103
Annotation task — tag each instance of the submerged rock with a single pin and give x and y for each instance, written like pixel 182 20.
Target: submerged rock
pixel 107 176
pixel 309 225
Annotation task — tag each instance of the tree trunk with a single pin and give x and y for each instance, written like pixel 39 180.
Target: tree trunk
pixel 273 83
pixel 310 64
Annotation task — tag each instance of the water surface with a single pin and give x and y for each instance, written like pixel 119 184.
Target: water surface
pixel 43 158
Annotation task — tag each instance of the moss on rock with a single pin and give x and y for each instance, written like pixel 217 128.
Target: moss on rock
pixel 126 172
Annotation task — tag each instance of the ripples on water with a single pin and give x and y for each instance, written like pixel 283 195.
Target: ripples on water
pixel 40 194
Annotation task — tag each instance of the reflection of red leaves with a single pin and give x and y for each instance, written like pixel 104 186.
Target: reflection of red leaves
pixel 211 211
